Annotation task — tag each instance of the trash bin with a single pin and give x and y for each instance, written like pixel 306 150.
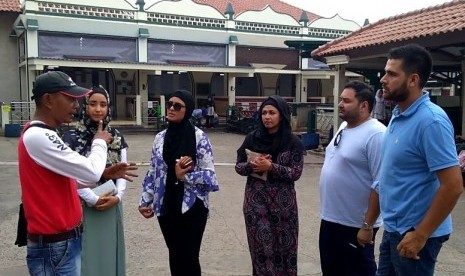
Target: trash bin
pixel 12 130
pixel 311 140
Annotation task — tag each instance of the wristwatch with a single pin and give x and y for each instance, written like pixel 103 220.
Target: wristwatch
pixel 367 226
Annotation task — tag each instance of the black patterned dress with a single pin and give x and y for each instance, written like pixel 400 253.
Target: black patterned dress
pixel 270 212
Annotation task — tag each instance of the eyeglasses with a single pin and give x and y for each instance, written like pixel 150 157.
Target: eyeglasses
pixel 338 138
pixel 175 106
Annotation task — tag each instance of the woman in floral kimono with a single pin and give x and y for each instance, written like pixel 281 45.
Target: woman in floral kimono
pixel 274 163
pixel 103 249
pixel 180 177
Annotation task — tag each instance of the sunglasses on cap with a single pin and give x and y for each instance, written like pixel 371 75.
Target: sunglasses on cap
pixel 175 106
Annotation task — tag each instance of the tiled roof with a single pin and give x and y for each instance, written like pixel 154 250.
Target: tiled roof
pixel 9 6
pixel 240 6
pixel 444 18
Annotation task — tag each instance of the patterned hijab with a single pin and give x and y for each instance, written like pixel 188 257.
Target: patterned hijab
pixel 86 129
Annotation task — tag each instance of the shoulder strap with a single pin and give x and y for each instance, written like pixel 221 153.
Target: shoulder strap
pixel 41 125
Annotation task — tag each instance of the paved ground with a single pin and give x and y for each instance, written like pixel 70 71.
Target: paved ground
pixel 224 249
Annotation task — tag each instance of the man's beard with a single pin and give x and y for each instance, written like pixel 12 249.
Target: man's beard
pixel 348 116
pixel 397 95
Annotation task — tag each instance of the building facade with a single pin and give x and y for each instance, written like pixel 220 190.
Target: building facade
pixel 235 52
pixel 9 79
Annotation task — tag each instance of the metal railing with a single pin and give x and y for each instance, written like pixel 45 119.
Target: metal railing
pixel 324 122
pixel 151 114
pixel 21 112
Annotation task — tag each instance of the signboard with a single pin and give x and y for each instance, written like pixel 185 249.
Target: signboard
pixel 6 108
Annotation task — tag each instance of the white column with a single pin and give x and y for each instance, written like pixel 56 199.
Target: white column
pixel 142 94
pixel 463 97
pixel 162 106
pixel 138 110
pixel 304 88
pixel 231 55
pixel 32 75
pixel 300 89
pixel 143 85
pixel 24 92
pixel 142 44
pixel 231 90
pixel 32 43
pixel 339 80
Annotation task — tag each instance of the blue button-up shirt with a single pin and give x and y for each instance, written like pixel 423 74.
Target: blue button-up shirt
pixel 418 142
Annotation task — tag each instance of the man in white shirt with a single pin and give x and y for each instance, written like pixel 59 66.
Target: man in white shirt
pixel 348 182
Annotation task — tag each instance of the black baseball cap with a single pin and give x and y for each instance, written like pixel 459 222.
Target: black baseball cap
pixel 56 81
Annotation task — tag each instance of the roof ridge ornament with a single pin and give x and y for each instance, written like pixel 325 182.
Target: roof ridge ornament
pixel 141 4
pixel 304 18
pixel 229 11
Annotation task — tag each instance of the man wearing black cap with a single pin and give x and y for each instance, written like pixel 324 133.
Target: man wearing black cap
pixel 48 171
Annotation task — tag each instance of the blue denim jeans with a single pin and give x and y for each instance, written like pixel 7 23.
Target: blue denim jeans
pixel 392 264
pixel 58 258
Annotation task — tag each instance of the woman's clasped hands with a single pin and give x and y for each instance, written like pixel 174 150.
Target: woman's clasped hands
pixel 261 164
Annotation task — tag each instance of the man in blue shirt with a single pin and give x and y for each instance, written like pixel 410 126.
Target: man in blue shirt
pixel 420 179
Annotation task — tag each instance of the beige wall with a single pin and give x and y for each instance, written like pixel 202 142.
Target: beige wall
pixel 201 78
pixel 9 78
pixel 124 106
pixel 269 84
pixel 327 89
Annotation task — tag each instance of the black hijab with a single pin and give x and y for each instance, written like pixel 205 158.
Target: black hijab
pixel 179 141
pixel 272 143
pixel 180 137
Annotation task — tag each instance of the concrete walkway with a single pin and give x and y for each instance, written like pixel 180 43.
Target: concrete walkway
pixel 224 249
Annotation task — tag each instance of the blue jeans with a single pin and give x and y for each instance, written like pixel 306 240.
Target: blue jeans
pixel 392 264
pixel 58 258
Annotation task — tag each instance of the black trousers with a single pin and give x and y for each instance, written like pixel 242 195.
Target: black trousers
pixel 183 236
pixel 340 253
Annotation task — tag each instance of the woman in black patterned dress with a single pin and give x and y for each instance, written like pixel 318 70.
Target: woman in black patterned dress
pixel 270 205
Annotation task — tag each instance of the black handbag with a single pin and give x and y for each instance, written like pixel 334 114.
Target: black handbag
pixel 21 232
